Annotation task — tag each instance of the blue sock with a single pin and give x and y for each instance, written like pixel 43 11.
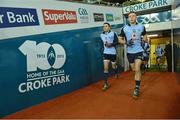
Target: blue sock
pixel 137 82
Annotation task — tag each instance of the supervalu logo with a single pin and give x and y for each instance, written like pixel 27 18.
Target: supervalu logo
pixel 59 16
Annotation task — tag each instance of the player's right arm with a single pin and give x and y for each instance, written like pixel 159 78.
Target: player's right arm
pixel 101 45
pixel 144 34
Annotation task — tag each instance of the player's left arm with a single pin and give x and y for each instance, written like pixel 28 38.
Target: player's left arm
pixel 148 49
pixel 144 34
pixel 115 41
pixel 162 52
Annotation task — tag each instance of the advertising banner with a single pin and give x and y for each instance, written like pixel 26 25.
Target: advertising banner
pixel 49 49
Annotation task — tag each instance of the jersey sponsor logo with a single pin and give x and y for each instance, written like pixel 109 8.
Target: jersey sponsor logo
pixel 16 17
pixel 44 63
pixel 58 16
pixel 98 17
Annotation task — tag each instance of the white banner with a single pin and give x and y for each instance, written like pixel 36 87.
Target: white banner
pixel 29 17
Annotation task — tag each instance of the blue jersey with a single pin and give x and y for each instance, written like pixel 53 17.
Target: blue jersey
pixel 159 51
pixel 111 38
pixel 133 34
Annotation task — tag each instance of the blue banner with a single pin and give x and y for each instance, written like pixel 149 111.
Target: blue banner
pixel 40 67
pixel 154 17
pixel 15 17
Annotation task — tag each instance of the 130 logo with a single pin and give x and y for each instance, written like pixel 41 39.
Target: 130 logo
pixel 43 55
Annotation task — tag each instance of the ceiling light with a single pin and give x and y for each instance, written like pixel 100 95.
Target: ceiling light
pixel 153 35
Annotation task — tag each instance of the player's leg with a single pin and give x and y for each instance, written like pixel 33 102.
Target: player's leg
pixel 143 66
pixel 115 70
pixel 158 62
pixel 135 61
pixel 137 77
pixel 106 71
pixel 131 61
pixel 132 67
pixel 114 65
pixel 137 64
pixel 146 62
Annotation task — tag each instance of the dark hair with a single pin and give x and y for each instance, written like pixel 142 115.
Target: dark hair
pixel 107 24
pixel 131 12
